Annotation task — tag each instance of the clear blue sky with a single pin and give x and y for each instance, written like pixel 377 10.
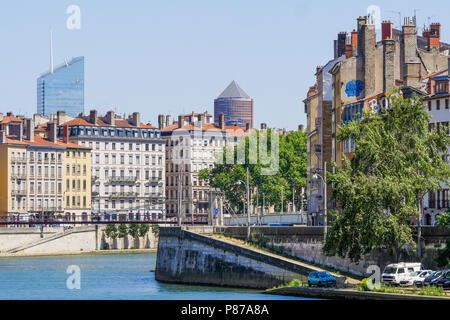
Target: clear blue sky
pixel 176 56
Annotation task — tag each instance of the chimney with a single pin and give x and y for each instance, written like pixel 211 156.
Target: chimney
pixel 263 126
pixel 409 45
pixel 111 118
pixel 247 126
pixel 366 50
pixel 341 44
pixel 29 124
pixel 202 120
pixel 2 136
pixel 221 121
pixel 1 116
pixel 434 36
pixel 60 115
pixel 93 117
pixel 168 120
pixel 15 129
pixel 386 30
pixel 354 43
pixel 388 64
pixel 181 121
pixel 300 128
pixel 160 121
pixel 51 131
pixel 136 119
pixel 9 114
pixel 66 134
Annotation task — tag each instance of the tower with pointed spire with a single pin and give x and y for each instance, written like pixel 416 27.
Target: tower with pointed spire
pixel 236 106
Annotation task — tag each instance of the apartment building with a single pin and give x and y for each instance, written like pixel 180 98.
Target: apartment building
pixel 363 73
pixel 438 105
pixel 192 144
pixel 127 164
pixel 32 180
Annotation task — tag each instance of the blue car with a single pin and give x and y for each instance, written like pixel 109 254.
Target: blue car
pixel 321 278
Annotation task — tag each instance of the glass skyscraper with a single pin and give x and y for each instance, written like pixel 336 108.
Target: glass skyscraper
pixel 236 106
pixel 62 89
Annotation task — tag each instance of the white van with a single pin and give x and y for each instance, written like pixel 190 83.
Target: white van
pixel 397 273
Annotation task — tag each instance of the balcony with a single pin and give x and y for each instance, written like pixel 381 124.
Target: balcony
pixel 18 192
pixel 123 179
pixel 123 195
pixel 20 176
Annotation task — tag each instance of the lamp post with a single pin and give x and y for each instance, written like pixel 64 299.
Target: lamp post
pixel 248 205
pixel 324 179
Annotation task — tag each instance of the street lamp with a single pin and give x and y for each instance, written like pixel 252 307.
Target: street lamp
pixel 248 205
pixel 324 179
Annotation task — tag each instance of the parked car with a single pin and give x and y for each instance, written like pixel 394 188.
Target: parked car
pixel 321 278
pixel 413 276
pixel 444 280
pixel 396 273
pixel 418 280
pixel 431 279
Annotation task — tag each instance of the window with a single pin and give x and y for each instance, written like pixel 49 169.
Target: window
pixel 446 104
pixel 429 105
pixel 438 104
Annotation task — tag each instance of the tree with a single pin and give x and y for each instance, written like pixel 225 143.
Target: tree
pixel 123 231
pixel 379 191
pixel 111 231
pixel 143 230
pixel 290 176
pixel 133 230
pixel 443 255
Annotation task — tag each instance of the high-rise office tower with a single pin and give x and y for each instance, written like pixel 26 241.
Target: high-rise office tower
pixel 62 88
pixel 236 106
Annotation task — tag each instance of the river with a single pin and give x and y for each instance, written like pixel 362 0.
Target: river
pixel 109 276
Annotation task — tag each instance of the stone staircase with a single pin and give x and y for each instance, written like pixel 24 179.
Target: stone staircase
pixel 39 241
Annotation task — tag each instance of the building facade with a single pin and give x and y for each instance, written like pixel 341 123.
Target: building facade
pixel 236 106
pixel 363 73
pixel 438 105
pixel 193 143
pixel 127 164
pixel 62 89
pixel 32 183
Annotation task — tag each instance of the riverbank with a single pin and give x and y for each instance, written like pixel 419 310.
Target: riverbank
pixel 347 294
pixel 91 252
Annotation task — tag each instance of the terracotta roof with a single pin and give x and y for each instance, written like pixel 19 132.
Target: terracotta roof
pixel 8 119
pixel 77 122
pixel 39 141
pixel 118 123
pixel 434 73
pixel 232 130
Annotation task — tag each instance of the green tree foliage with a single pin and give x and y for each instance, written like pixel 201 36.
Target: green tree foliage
pixel 290 176
pixel 396 162
pixel 111 231
pixel 123 231
pixel 443 255
pixel 143 230
pixel 133 230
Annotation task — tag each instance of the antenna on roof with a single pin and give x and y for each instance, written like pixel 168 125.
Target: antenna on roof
pixel 51 51
pixel 65 61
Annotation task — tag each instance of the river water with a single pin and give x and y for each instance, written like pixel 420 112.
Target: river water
pixel 110 276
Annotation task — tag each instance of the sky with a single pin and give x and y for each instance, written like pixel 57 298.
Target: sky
pixel 173 56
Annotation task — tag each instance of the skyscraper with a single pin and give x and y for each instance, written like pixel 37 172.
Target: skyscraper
pixel 62 88
pixel 236 106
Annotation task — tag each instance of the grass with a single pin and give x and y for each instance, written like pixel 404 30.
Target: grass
pixel 293 283
pixel 423 291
